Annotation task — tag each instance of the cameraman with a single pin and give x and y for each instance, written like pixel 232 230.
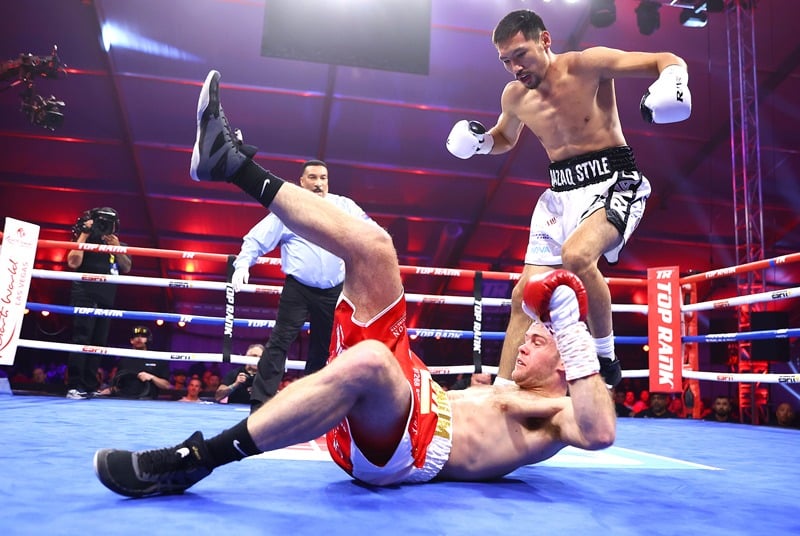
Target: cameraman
pixel 238 383
pixel 95 226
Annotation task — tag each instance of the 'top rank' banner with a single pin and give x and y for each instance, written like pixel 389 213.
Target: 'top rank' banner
pixel 664 330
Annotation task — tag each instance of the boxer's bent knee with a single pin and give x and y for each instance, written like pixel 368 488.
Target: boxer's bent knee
pixel 519 289
pixel 579 260
pixel 381 246
pixel 370 245
pixel 366 360
pixel 517 293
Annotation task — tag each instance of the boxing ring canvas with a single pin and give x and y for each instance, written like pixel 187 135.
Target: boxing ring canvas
pixel 661 477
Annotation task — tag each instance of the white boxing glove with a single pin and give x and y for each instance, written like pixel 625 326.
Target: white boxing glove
pixel 468 138
pixel 240 277
pixel 668 99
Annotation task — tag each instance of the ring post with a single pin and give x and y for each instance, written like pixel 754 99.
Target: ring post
pixel 477 321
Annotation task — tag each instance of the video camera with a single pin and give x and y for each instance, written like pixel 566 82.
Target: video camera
pixel 43 112
pixel 105 221
pixel 250 378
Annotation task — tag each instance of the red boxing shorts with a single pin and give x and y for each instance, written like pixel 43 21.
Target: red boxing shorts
pixel 425 446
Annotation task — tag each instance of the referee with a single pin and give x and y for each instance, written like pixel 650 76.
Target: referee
pixel 313 283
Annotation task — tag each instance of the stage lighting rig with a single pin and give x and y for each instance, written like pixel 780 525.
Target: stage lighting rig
pixel 647 17
pixel 602 13
pixel 44 112
pixel 694 13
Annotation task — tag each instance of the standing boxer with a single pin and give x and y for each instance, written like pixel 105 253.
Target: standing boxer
pixel 597 195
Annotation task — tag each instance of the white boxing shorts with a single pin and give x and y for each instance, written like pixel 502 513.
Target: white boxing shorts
pixel 606 179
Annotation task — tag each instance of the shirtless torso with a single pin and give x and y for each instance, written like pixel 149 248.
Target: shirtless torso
pixel 575 114
pixel 522 425
pixel 567 100
pixel 497 429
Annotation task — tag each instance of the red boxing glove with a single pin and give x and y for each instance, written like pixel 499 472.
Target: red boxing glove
pixel 557 297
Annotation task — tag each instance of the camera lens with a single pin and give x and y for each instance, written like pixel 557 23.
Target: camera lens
pixel 100 227
pixel 103 223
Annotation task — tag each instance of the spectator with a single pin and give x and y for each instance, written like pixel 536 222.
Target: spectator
pixel 676 406
pixel 238 383
pixel 721 410
pixel 95 226
pixel 38 375
pixel 480 379
pixel 103 378
pixel 619 404
pixel 211 384
pixel 311 289
pixel 140 377
pixel 197 370
pixel 179 380
pixel 206 378
pixel 642 403
pixel 658 408
pixel 193 391
pixel 18 377
pixel 784 416
pixel 630 399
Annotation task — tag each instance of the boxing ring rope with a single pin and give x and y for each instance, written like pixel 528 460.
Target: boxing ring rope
pixel 260 323
pixel 414 332
pixel 266 289
pixel 688 310
pixel 741 269
pixel 205 357
pixel 215 285
pixel 761 297
pixel 691 282
pixel 686 282
pixel 239 322
pixel 145 354
pixel 275 261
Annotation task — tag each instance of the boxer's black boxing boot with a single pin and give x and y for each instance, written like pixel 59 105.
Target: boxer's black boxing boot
pixel 154 472
pixel 218 154
pixel 610 370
